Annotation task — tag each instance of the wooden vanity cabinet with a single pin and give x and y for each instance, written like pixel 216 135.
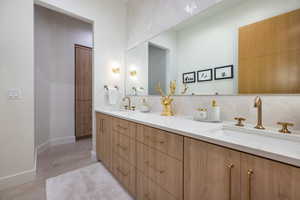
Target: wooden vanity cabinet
pixel 153 164
pixel 263 179
pixel 210 172
pixel 104 139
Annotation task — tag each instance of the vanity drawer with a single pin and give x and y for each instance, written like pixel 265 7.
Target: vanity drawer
pixel 163 141
pixel 125 173
pixel 124 127
pixel 125 147
pixel 161 168
pixel 148 190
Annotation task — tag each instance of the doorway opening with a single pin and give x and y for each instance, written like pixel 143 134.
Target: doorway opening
pixel 157 61
pixel 63 78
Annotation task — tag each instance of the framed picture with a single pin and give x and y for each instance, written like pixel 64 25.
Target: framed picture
pixel 204 75
pixel 189 77
pixel 225 72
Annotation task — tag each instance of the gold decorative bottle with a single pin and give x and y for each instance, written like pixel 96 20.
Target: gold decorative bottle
pixel 166 101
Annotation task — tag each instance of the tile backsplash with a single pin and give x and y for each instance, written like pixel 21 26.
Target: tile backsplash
pixel 275 108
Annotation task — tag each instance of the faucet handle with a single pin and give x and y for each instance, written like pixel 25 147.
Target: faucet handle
pixel 240 121
pixel 133 108
pixel 285 126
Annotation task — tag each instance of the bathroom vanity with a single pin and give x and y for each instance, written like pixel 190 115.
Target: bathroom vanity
pixel 161 158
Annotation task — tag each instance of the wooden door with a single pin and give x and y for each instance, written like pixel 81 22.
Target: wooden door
pixel 269 55
pixel 263 179
pixel 83 92
pixel 210 172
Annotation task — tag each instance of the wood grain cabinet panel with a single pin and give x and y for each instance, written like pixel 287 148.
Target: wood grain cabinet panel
pixel 164 170
pixel 269 55
pixel 166 142
pixel 83 92
pixel 148 190
pixel 125 147
pixel 124 127
pixel 210 172
pixel 263 179
pixel 104 140
pixel 125 173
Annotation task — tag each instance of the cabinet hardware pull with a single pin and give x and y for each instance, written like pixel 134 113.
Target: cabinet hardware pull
pixel 147 196
pixel 123 173
pixel 250 173
pixel 121 127
pixel 154 141
pixel 122 147
pixel 102 125
pixel 230 181
pixel 152 167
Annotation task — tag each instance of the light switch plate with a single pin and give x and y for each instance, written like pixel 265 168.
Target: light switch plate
pixel 14 94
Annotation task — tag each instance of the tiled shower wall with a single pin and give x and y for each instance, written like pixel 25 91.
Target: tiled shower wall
pixel 147 18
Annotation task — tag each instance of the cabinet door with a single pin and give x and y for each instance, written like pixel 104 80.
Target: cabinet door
pixel 99 136
pixel 162 169
pixel 107 142
pixel 148 190
pixel 104 140
pixel 263 179
pixel 125 173
pixel 210 172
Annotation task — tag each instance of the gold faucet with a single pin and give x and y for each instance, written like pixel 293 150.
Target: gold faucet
pixel 166 100
pixel 258 105
pixel 127 107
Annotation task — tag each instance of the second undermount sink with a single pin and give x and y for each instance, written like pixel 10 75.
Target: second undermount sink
pixel 266 133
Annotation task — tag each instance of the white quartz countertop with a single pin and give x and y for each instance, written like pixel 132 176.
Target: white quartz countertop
pixel 279 148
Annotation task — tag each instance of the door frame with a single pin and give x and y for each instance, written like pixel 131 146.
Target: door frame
pixel 92 83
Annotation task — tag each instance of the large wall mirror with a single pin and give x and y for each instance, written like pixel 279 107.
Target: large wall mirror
pixel 236 47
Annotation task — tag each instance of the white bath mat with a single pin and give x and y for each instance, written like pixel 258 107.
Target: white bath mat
pixel 90 183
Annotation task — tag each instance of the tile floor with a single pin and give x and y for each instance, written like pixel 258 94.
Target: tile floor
pixel 55 161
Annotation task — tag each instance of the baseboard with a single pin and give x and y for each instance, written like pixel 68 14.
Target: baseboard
pixel 43 147
pixel 56 141
pixel 17 179
pixel 94 156
pixel 62 140
pixel 27 176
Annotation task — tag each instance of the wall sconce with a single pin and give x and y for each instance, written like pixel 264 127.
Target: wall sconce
pixel 116 70
pixel 133 73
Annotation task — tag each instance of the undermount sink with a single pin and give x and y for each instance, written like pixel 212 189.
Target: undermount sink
pixel 230 129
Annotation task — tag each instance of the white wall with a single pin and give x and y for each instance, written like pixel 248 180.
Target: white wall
pixel 55 37
pixel 149 18
pixel 16 71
